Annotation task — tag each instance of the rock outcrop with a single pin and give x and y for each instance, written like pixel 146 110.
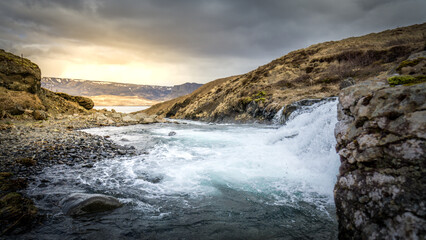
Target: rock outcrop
pixel 380 191
pixel 83 203
pixel 18 73
pixel 21 95
pixel 85 102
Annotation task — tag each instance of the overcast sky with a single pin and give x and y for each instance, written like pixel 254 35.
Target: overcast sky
pixel 167 42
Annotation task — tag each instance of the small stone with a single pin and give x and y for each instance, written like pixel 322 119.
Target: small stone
pixel 363 199
pixel 88 165
pixel 40 115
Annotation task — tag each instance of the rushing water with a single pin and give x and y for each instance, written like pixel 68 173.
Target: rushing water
pixel 206 182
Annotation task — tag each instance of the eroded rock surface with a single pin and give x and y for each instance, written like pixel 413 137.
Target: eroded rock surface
pixel 380 191
pixel 18 73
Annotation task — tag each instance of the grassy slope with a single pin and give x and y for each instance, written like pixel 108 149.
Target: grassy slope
pixel 313 72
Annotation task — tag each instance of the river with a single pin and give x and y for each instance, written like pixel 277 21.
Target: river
pixel 207 181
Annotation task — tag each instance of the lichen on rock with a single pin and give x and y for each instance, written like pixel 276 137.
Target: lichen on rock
pixel 381 136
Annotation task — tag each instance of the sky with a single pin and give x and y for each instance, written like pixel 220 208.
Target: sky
pixel 168 42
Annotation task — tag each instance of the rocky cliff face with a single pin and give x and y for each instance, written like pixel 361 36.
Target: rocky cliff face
pixel 18 74
pixel 380 191
pixel 21 94
pixel 312 73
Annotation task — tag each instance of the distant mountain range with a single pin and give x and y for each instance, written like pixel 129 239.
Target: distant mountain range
pixel 96 88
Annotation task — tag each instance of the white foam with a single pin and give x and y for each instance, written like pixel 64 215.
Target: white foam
pixel 296 162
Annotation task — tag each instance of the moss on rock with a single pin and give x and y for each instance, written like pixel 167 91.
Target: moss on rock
pixel 410 63
pixel 406 80
pixel 16 211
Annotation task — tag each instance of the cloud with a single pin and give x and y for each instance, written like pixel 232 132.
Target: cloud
pixel 198 36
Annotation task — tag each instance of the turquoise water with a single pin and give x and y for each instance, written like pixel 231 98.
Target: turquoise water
pixel 208 181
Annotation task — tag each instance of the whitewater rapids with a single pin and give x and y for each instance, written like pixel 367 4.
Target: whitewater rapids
pixel 209 181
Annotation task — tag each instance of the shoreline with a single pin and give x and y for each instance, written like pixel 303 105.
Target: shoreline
pixel 28 146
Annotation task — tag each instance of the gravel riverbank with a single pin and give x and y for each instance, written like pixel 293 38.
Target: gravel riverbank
pixel 28 146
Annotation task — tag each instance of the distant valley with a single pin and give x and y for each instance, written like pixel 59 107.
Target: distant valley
pixel 111 93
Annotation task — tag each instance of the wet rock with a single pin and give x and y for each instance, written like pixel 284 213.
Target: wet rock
pixel 172 133
pixel 296 106
pixel 346 83
pixel 16 211
pixel 82 203
pixel 381 142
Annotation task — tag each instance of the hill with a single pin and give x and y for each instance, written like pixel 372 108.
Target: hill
pixel 314 72
pixel 96 88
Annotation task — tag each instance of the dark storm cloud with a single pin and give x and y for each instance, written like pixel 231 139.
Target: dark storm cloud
pixel 206 29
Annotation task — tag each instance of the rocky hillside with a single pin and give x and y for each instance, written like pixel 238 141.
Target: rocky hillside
pixel 21 95
pixel 97 88
pixel 315 72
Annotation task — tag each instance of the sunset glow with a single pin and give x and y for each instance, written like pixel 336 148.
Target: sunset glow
pixel 173 42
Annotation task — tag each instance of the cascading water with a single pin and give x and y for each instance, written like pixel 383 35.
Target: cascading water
pixel 207 181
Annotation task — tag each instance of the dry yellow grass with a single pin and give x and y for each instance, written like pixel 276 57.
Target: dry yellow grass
pixel 10 99
pixel 312 72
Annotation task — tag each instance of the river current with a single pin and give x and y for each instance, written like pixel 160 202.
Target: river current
pixel 206 181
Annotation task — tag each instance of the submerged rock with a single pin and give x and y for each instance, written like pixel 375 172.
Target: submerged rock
pixel 172 133
pixel 83 203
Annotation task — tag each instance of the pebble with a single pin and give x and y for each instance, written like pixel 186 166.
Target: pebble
pixel 52 144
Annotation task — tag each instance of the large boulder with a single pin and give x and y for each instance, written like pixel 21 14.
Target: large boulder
pixel 19 74
pixel 84 203
pixel 381 135
pixel 85 102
